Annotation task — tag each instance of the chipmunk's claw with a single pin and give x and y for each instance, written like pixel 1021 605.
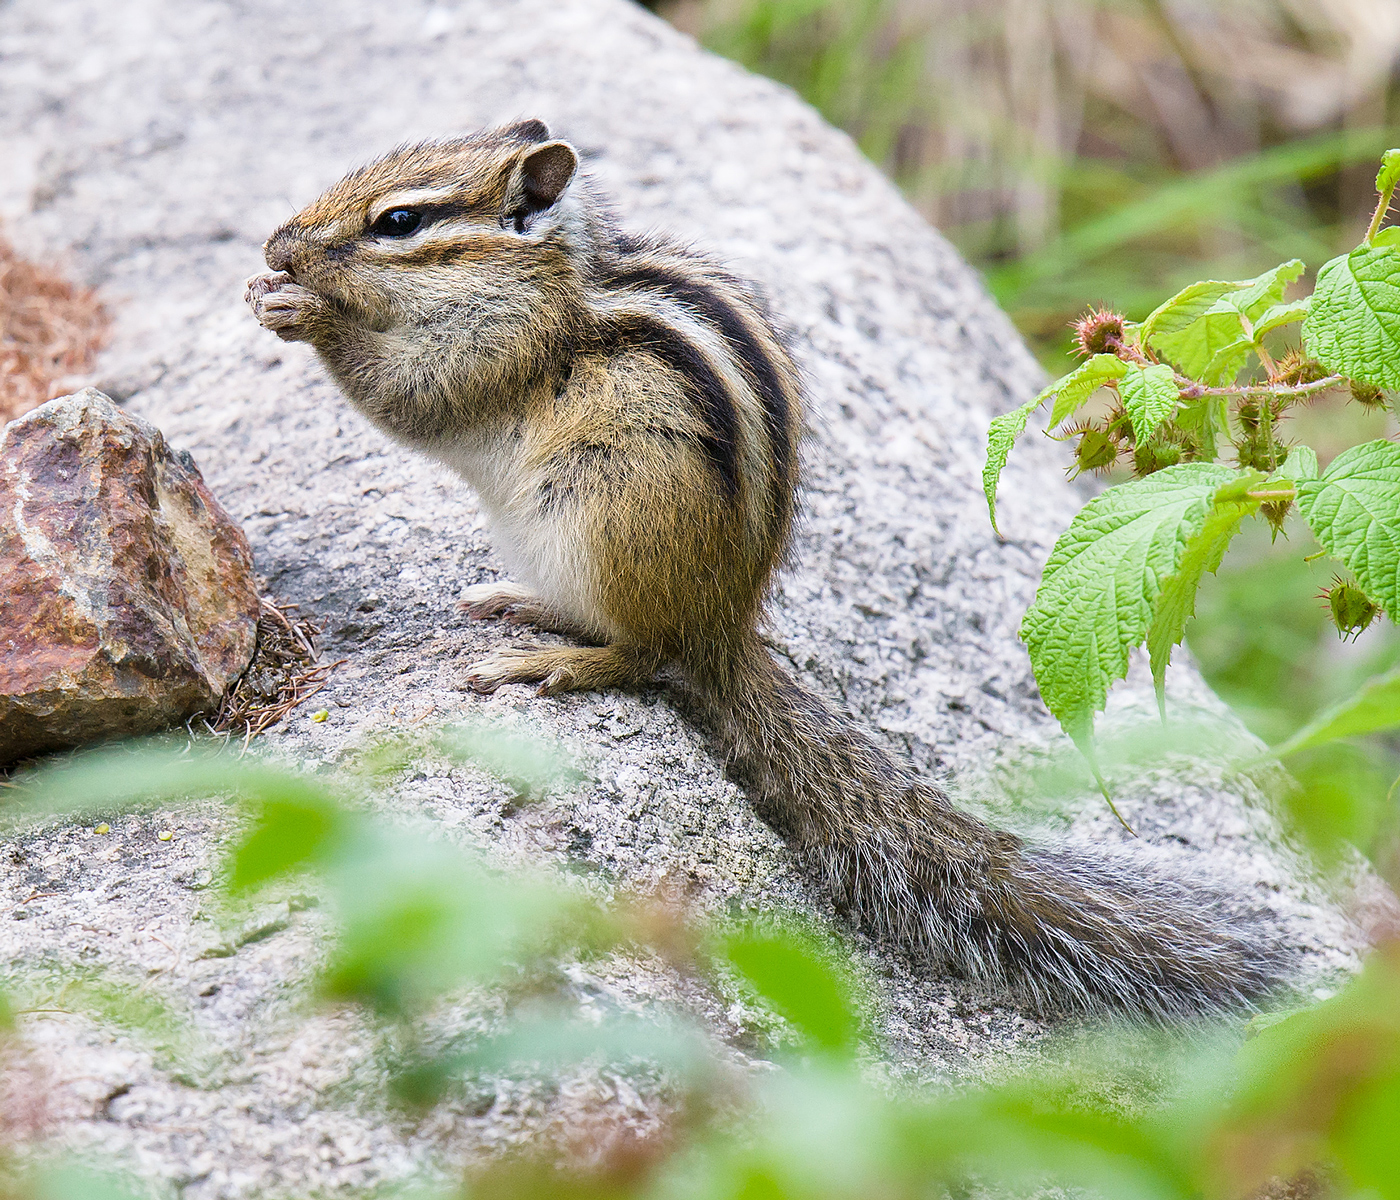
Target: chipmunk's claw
pixel 506 666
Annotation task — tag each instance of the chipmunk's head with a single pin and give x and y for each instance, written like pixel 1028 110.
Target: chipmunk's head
pixel 441 231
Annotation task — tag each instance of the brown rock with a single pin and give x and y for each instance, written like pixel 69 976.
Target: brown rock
pixel 127 598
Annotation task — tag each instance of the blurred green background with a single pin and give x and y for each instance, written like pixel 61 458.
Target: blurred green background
pixel 1085 152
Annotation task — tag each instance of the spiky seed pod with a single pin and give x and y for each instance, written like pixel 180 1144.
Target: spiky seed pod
pixel 1154 455
pixel 1351 609
pixel 1276 513
pixel 1368 395
pixel 1098 331
pixel 1192 449
pixel 1260 451
pixel 1296 368
pixel 1096 451
pixel 1118 425
pixel 1248 415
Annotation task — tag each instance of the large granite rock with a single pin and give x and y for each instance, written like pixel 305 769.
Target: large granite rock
pixel 158 142
pixel 127 598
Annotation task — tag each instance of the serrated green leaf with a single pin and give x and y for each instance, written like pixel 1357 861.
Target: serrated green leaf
pixel 1375 707
pixel 1256 296
pixel 1150 397
pixel 1353 326
pixel 1174 315
pixel 1389 174
pixel 1204 550
pixel 1074 389
pixel 1207 419
pixel 1300 465
pixel 1096 598
pixel 1279 315
pixel 1001 436
pixel 1208 329
pixel 1389 236
pixel 1354 512
pixel 1195 345
pixel 1228 362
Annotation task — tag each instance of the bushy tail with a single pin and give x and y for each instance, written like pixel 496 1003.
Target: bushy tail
pixel 1066 928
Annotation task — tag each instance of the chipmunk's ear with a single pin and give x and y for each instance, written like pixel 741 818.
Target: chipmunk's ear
pixel 533 130
pixel 538 181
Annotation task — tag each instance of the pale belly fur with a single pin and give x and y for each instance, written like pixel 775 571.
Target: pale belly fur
pixel 544 550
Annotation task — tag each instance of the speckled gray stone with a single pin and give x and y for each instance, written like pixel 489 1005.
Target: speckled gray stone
pixel 156 144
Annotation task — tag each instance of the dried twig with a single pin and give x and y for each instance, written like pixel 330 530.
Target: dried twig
pixel 284 673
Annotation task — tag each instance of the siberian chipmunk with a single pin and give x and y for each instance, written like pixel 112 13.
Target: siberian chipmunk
pixel 630 418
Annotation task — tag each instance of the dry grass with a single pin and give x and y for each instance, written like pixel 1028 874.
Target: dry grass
pixel 1098 150
pixel 284 673
pixel 50 331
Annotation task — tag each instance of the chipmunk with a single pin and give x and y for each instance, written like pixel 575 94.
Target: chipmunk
pixel 629 417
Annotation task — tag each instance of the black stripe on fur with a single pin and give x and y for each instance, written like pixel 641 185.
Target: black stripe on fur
pixel 642 332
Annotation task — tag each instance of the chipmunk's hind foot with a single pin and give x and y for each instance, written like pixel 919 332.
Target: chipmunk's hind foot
pixel 561 669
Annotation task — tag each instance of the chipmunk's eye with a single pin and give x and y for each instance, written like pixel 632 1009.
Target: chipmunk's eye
pixel 397 222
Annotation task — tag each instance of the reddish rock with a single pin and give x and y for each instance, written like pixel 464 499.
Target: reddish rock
pixel 127 598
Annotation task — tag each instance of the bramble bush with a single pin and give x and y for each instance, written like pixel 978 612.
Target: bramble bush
pixel 1203 380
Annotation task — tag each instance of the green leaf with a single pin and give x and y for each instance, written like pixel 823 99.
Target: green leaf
pixel 1279 315
pixel 1212 347
pixel 798 977
pixel 1186 307
pixel 1096 598
pixel 1176 602
pixel 1207 329
pixel 1353 326
pixel 1258 295
pixel 1300 465
pixel 1376 706
pixel 531 766
pixel 419 918
pixel 1150 396
pixel 287 834
pixel 1074 389
pixel 1389 174
pixel 1207 419
pixel 1001 436
pixel 1354 512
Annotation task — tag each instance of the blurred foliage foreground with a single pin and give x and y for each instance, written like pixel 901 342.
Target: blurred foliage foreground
pixel 1310 1095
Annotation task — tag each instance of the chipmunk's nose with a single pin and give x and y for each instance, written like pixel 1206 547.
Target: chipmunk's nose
pixel 279 252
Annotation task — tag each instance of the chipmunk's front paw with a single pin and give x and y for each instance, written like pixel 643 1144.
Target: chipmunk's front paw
pixel 289 310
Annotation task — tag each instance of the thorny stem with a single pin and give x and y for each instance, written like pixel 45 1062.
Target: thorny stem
pixel 1382 207
pixel 1191 390
pixel 1278 494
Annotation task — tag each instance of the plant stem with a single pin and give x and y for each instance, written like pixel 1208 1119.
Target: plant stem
pixel 1382 207
pixel 1190 389
pixel 1277 494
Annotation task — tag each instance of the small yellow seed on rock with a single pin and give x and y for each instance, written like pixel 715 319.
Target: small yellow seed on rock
pixel 165 835
pixel 103 829
pixel 323 715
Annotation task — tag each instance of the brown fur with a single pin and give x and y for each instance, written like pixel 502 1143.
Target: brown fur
pixel 630 419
